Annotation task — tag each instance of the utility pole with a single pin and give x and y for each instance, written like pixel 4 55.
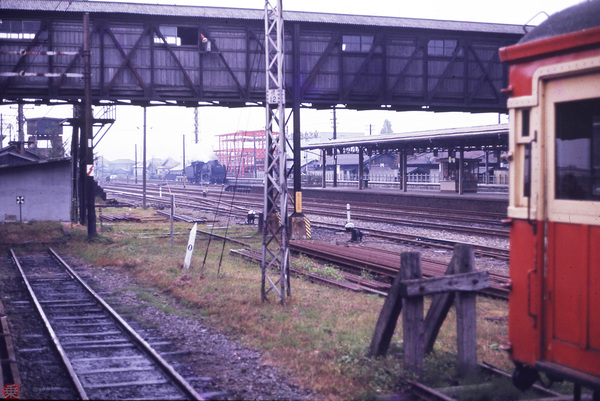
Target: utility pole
pixel 275 243
pixel 89 135
pixel 196 126
pixel 20 118
pixel 184 161
pixel 144 165
pixel 334 154
pixel 135 167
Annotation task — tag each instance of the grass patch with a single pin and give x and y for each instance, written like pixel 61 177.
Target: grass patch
pixel 326 271
pixel 320 337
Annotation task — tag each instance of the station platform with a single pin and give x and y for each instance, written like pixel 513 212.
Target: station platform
pixel 492 202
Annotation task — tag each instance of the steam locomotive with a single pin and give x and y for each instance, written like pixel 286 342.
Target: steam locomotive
pixel 211 172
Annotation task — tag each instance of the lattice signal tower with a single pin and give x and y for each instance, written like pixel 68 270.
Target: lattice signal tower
pixel 275 243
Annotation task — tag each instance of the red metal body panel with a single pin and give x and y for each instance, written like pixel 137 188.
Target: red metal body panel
pixel 525 297
pixel 554 311
pixel 554 304
pixel 572 294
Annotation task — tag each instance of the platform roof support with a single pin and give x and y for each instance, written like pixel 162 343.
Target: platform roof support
pixel 324 168
pixel 361 167
pixel 461 171
pixel 403 170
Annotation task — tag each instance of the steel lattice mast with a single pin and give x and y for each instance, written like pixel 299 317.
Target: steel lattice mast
pixel 275 244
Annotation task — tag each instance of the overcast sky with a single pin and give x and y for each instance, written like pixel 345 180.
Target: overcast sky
pixel 167 125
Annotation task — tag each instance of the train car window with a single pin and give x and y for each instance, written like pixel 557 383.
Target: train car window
pixel 578 150
pixel 525 122
pixel 525 118
pixel 527 171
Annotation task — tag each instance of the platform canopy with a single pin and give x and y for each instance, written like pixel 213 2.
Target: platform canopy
pixel 489 136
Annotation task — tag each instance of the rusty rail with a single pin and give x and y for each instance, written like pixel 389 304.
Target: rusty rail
pixel 382 262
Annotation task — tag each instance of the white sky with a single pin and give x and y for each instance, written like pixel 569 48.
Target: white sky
pixel 167 125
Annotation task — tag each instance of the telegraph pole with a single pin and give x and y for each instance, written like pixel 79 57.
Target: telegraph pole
pixel 89 136
pixel 144 164
pixel 135 165
pixel 196 125
pixel 21 132
pixel 334 154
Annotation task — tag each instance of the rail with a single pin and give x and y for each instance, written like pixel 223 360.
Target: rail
pixel 105 313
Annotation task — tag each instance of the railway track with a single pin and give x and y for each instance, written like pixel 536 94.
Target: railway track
pixel 105 357
pixel 452 220
pixel 466 222
pixel 384 263
pixel 419 240
pixel 422 392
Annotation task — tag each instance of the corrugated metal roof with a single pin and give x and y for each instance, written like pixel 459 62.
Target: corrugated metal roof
pixel 254 14
pixel 420 138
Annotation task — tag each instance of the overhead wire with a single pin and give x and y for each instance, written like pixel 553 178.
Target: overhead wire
pixel 237 173
pixel 254 63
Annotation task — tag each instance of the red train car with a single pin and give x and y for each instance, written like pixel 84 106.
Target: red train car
pixel 554 207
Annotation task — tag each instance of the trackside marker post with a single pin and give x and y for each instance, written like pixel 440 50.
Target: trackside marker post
pixel 190 247
pixel 348 213
pixel 172 212
pixel 20 201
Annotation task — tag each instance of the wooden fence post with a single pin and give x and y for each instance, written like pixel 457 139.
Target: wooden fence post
pixel 412 316
pixel 440 306
pixel 466 314
pixel 388 317
pixel 407 291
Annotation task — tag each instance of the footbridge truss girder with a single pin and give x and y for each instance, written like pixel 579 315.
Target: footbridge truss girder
pixel 206 56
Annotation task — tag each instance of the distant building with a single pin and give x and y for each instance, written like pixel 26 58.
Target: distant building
pixel 380 167
pixel 422 167
pixel 46 135
pixel 14 154
pixel 243 153
pixel 43 187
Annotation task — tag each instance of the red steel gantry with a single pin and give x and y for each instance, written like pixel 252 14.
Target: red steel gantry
pixel 243 153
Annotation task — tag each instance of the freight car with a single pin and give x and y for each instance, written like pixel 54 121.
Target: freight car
pixel 554 206
pixel 211 172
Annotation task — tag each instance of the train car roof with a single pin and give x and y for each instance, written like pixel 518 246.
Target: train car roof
pixel 573 29
pixel 582 16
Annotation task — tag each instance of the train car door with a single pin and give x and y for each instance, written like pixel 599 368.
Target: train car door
pixel 571 293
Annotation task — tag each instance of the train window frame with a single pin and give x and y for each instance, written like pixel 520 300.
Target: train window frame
pixel 523 156
pixel 577 127
pixel 560 91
